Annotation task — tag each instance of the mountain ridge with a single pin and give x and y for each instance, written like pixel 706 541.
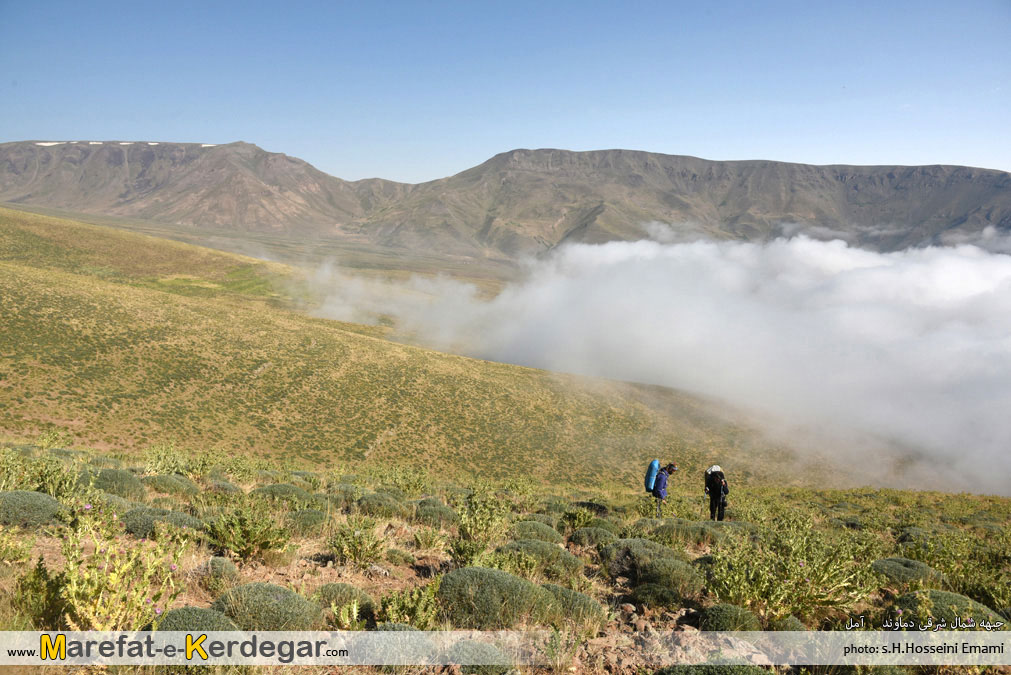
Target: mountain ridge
pixel 516 203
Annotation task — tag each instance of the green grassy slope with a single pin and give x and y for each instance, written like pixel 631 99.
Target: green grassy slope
pixel 127 341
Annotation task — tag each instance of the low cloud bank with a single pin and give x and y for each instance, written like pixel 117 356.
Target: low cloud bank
pixel 908 350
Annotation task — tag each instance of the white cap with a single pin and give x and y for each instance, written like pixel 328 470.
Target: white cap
pixel 716 467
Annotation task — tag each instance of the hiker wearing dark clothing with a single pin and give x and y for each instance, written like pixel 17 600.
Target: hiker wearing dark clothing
pixel 660 486
pixel 717 489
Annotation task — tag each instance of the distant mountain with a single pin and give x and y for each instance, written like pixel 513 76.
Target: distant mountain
pixel 518 202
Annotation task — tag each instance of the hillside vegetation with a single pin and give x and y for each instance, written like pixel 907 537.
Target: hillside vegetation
pixel 125 341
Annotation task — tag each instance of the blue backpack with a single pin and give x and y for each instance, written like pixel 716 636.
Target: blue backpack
pixel 651 472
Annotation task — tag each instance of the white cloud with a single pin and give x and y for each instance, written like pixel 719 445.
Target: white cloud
pixel 908 350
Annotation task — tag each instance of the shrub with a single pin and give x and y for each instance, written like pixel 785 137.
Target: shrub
pixel 247 532
pixel 486 599
pixel 28 509
pixel 38 596
pixel 673 574
pixel 395 556
pixel 906 571
pixel 339 596
pixel 391 491
pixel 793 569
pixel 417 606
pixel 117 503
pixel 111 587
pixel 546 518
pixel 307 521
pixel 198 619
pixel 577 518
pixel 913 535
pixel 14 548
pixel 119 482
pixel 140 521
pixel 591 536
pixel 553 562
pixel 282 492
pixel 345 493
pixel 465 552
pixel 605 524
pixel 641 528
pixel 577 608
pixel 677 532
pixel 728 617
pixel 919 606
pixel 169 484
pixel 626 557
pixel 482 516
pixel 217 575
pixel 787 623
pixel 382 505
pixel 224 486
pixel 355 543
pixel 478 658
pixel 428 539
pixel 528 529
pixel 436 515
pixel 655 595
pixel 262 606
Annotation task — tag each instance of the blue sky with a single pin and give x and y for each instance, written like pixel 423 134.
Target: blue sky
pixel 420 90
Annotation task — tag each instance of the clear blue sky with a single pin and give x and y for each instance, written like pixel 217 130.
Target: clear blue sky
pixel 415 91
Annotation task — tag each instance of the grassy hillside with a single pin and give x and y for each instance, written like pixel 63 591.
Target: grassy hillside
pixel 128 341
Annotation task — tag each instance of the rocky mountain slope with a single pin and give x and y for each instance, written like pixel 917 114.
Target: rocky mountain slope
pixel 518 202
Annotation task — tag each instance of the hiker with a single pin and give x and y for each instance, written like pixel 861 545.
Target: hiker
pixel 716 488
pixel 660 486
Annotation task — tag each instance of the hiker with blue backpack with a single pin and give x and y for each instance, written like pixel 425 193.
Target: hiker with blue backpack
pixel 656 482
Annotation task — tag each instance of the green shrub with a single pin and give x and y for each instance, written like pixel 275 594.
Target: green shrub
pixel 28 509
pixel 429 539
pixel 913 535
pixel 487 599
pixel 262 606
pixel 416 606
pixel 626 557
pixel 14 547
pixel 906 571
pixel 577 608
pixel 677 532
pixel 140 522
pixel 482 516
pixel 728 617
pixel 199 619
pixel 217 575
pixel 528 529
pixel 282 492
pixel 605 524
pixel 345 493
pixel 342 595
pixel 222 485
pixel 307 521
pixel 577 518
pixel 655 595
pixel 38 596
pixel 642 528
pixel 169 484
pixel 787 623
pixel 355 543
pixel 382 505
pixel 246 532
pixel 396 556
pixel 117 503
pixel 392 491
pixel 546 518
pixel 436 515
pixel 921 605
pixel 592 536
pixel 671 573
pixel 119 482
pixel 478 658
pixel 552 561
pixel 555 506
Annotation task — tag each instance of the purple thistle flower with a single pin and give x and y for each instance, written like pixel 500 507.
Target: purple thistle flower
pixel 801 563
pixel 149 601
pixel 87 507
pixel 157 610
pixel 173 567
pixel 898 611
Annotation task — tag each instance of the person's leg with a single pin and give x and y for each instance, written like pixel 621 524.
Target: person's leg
pixel 657 508
pixel 723 508
pixel 712 507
